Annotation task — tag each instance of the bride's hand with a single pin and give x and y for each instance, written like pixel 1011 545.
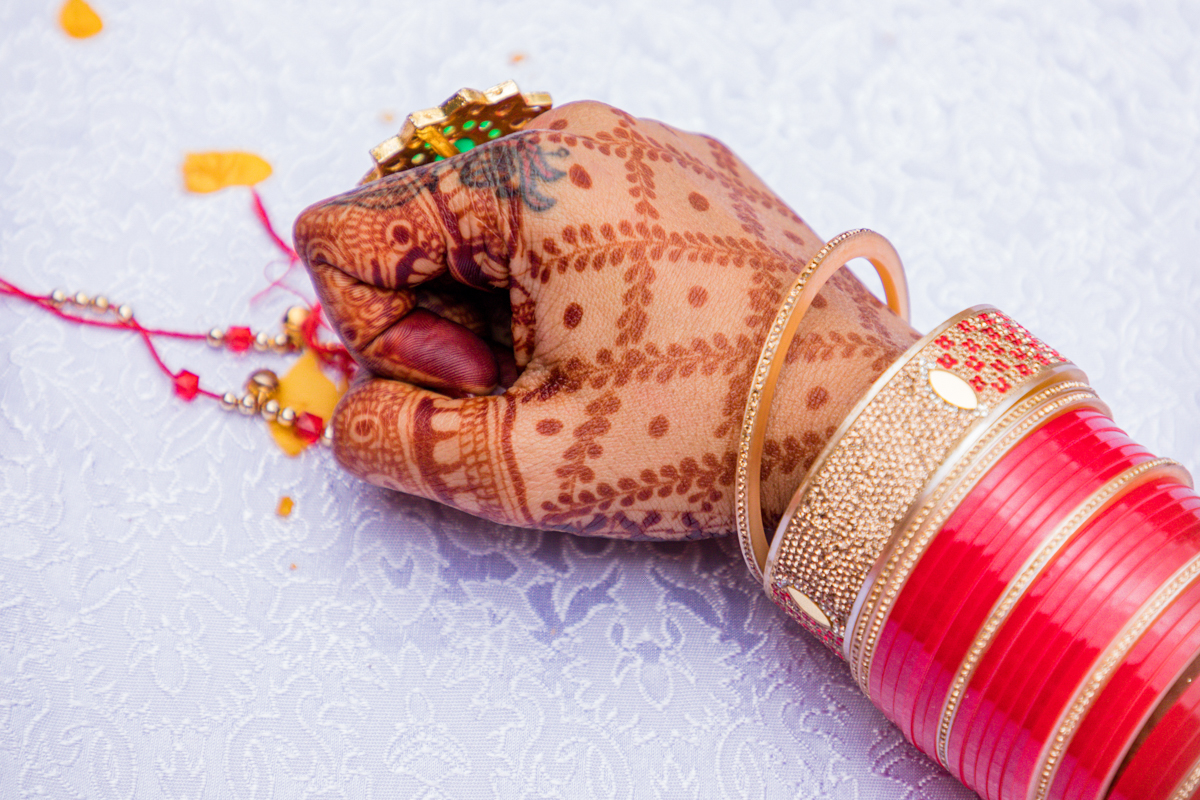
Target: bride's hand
pixel 558 328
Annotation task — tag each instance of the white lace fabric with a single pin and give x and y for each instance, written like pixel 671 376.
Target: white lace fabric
pixel 164 634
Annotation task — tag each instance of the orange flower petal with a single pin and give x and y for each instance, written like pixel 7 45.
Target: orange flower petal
pixel 208 172
pixel 79 20
pixel 304 388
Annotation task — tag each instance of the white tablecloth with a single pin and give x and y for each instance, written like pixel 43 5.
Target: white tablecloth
pixel 164 634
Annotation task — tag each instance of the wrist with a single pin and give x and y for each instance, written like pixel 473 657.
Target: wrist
pixel 843 344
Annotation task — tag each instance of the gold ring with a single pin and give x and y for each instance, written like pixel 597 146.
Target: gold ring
pixel 466 120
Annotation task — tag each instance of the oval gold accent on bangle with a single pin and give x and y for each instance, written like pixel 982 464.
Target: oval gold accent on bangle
pixel 945 390
pixel 859 243
pixel 1104 666
pixel 953 389
pixel 1037 562
pixel 946 489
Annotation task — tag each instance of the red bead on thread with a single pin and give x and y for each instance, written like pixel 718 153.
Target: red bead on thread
pixel 239 338
pixel 187 385
pixel 309 427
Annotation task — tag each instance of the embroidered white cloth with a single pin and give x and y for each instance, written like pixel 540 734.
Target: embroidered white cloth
pixel 164 634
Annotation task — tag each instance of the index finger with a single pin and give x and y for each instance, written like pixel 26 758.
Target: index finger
pixel 461 219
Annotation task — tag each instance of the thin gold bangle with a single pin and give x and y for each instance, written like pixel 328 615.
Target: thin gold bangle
pixel 860 243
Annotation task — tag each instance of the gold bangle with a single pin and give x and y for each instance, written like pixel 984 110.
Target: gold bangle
pixel 1045 554
pixel 921 414
pixel 860 243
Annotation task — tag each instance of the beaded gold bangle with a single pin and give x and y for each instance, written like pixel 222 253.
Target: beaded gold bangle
pixel 860 243
pixel 920 418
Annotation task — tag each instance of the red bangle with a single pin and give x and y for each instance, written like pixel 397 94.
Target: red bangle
pixel 971 742
pixel 892 665
pixel 1125 704
pixel 1167 754
pixel 1012 553
pixel 983 542
pixel 1081 448
pixel 1163 542
pixel 1073 603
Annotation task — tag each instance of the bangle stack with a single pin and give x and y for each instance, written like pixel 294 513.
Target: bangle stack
pixel 1012 580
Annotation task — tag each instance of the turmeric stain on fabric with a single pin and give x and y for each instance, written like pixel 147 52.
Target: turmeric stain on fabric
pixel 210 172
pixel 79 20
pixel 304 388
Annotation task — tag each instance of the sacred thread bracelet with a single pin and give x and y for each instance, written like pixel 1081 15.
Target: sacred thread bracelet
pixel 467 119
pixel 1011 579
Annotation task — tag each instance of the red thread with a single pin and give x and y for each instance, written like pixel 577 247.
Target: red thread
pixel 260 211
pixel 238 338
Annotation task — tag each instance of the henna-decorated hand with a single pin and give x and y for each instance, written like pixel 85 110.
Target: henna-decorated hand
pixel 558 328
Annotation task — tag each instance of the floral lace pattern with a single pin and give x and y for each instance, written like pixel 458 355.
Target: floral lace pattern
pixel 164 634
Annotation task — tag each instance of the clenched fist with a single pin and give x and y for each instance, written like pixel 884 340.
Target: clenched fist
pixel 558 328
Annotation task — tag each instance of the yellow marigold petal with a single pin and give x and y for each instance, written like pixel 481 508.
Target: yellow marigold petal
pixel 286 504
pixel 79 20
pixel 208 172
pixel 304 388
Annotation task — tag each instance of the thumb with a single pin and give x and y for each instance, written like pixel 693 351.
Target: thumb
pixel 455 451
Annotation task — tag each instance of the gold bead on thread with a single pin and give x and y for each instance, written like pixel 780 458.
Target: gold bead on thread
pixel 215 337
pixel 270 410
pixel 293 322
pixel 261 385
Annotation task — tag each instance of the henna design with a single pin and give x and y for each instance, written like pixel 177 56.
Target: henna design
pixel 580 177
pixel 517 171
pixel 572 316
pixel 792 453
pixel 832 344
pixel 469 460
pixel 459 453
pixel 574 468
pixel 583 247
pixel 817 396
pixel 870 311
pixel 698 481
pixel 645 363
